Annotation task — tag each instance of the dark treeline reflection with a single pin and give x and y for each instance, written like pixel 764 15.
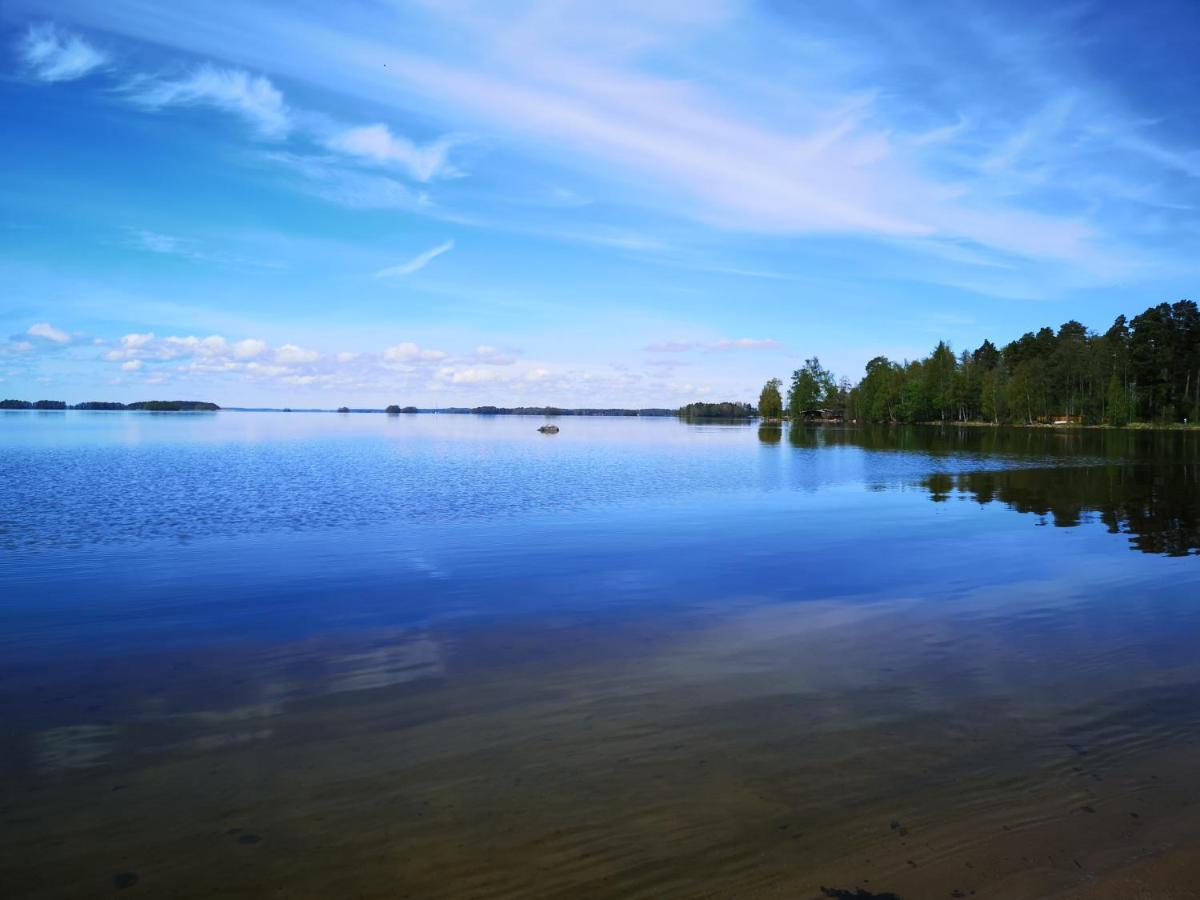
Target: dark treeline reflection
pixel 1081 444
pixel 770 434
pixel 1145 484
pixel 1157 506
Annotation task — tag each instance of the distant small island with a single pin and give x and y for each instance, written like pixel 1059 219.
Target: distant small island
pixel 99 405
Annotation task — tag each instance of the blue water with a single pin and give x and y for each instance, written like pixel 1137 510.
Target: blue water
pixel 156 567
pixel 125 528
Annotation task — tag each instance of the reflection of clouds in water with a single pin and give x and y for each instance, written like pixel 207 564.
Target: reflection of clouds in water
pixel 207 742
pixel 426 565
pixel 385 666
pixel 72 747
pixel 237 714
pixel 382 663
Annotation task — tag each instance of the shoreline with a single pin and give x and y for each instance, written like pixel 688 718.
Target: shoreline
pixel 637 414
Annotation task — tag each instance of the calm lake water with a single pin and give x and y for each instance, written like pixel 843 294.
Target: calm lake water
pixel 319 655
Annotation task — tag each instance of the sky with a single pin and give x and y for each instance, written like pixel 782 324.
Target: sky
pixel 632 203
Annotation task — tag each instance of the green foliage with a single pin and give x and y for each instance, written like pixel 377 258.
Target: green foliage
pixel 1116 402
pixel 174 406
pixel 1146 369
pixel 727 410
pixel 393 410
pixel 770 401
pixel 813 387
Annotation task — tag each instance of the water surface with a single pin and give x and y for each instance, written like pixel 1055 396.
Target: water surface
pixel 447 656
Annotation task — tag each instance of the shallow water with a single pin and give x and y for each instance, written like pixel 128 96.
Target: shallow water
pixel 447 656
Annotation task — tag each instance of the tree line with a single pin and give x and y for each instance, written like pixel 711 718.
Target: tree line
pixel 726 410
pixel 93 405
pixel 1144 369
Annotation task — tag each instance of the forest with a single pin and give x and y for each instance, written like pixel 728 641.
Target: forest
pixel 97 405
pixel 1144 369
pixel 727 410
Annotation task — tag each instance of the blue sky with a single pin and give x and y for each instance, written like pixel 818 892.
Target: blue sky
pixel 630 203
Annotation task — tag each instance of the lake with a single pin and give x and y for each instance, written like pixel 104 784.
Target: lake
pixel 321 655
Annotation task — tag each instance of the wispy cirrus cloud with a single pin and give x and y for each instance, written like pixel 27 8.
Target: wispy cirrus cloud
pixel 418 262
pixel 377 144
pixel 804 126
pixel 252 98
pixel 155 242
pixel 334 182
pixel 51 53
pixel 161 244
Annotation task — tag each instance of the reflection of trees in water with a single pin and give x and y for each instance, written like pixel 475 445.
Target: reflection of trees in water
pixel 1138 482
pixel 1157 505
pixel 770 434
pixel 1131 445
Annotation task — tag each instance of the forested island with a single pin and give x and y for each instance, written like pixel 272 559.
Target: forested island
pixel 726 410
pixel 1140 370
pixel 93 405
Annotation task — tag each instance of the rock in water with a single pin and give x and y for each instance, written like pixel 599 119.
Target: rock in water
pixel 549 429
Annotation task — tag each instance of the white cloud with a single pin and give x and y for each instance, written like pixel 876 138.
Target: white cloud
pixel 376 143
pixel 470 375
pixel 252 97
pixel 347 187
pixel 671 347
pixel 290 354
pixel 743 344
pixel 52 54
pixel 213 348
pixel 494 356
pixel 187 248
pixel 409 352
pixel 131 365
pixel 157 243
pixel 49 332
pixel 134 341
pixel 249 348
pixel 418 262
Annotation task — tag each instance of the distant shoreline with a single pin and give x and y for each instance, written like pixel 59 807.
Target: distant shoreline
pixel 110 406
pixel 158 407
